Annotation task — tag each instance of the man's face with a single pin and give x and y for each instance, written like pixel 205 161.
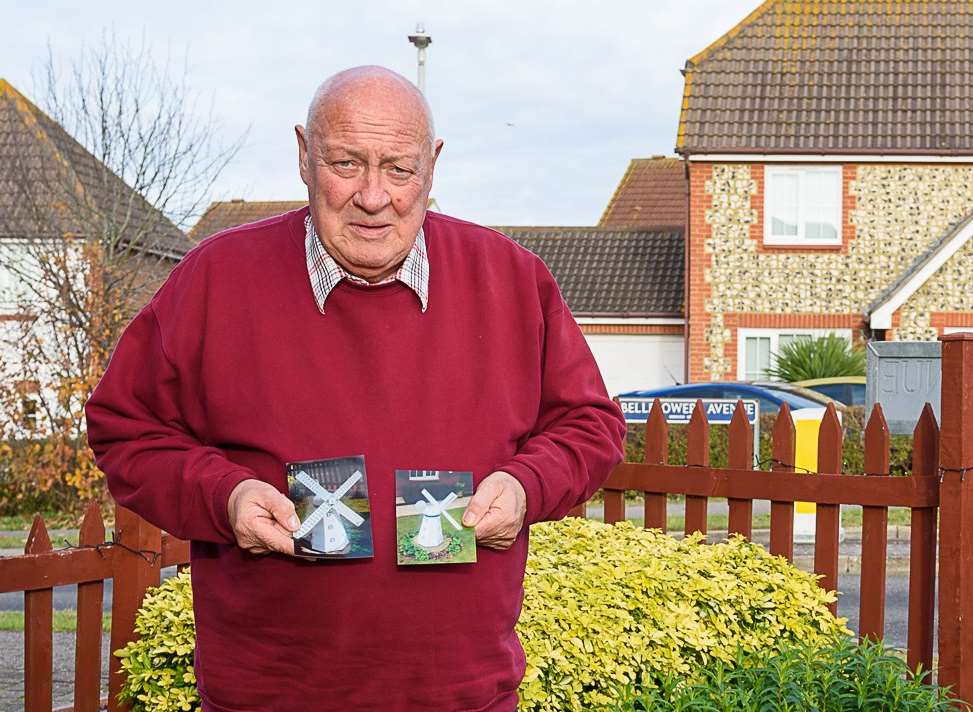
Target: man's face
pixel 368 163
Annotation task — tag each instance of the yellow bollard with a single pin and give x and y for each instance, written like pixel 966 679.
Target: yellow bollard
pixel 807 425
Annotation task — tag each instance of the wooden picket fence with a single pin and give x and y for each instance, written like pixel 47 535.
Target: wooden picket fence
pixel 938 492
pixel 133 559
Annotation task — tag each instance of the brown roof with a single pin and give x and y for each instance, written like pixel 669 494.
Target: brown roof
pixel 611 271
pixel 653 191
pixel 222 215
pixel 835 76
pixel 50 185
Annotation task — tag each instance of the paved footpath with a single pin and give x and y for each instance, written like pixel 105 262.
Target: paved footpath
pixel 12 669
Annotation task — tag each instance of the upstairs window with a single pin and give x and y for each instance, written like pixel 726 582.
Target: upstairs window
pixel 802 206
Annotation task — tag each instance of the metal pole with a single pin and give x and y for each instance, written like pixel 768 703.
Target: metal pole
pixel 421 40
pixel 421 73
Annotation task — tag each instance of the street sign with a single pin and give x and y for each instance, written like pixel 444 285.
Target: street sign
pixel 903 376
pixel 680 410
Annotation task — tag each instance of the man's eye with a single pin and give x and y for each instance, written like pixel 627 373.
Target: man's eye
pixel 401 172
pixel 344 164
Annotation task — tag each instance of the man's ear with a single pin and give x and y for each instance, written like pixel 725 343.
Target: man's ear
pixel 302 159
pixel 436 150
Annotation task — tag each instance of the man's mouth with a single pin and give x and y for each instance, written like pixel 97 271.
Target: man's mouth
pixel 370 229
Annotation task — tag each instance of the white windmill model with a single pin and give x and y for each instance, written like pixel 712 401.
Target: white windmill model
pixel 430 536
pixel 330 537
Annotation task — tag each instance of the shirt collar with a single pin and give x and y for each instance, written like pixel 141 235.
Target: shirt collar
pixel 325 273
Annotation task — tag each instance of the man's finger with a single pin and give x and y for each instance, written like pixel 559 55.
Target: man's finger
pixel 480 502
pixel 282 510
pixel 269 534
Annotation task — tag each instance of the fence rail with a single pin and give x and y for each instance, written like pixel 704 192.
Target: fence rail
pixel 133 559
pixel 939 492
pixel 875 491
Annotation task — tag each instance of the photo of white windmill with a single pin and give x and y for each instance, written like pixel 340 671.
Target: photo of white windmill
pixel 324 524
pixel 430 536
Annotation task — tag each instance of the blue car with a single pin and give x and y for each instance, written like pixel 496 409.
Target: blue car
pixel 770 396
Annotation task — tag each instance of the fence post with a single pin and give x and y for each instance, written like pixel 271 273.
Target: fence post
pixel 136 568
pixel 956 517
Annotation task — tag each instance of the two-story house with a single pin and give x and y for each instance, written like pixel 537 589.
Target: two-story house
pixel 58 205
pixel 829 148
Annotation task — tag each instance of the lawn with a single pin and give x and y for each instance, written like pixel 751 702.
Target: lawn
pixel 407 526
pixel 64 621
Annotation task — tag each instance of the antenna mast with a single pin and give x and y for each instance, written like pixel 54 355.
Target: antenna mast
pixel 421 40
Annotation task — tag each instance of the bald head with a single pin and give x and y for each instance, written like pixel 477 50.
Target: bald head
pixel 354 87
pixel 367 156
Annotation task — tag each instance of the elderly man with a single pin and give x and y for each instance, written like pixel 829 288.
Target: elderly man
pixel 359 325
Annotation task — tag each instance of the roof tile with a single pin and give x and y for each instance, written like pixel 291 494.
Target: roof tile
pixel 836 76
pixel 51 185
pixel 653 192
pixel 611 271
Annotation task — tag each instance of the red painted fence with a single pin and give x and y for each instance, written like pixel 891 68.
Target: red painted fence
pixel 133 560
pixel 941 483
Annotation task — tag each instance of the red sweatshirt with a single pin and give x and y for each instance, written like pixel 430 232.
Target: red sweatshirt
pixel 231 371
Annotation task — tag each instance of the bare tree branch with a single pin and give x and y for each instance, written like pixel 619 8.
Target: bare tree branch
pixel 91 220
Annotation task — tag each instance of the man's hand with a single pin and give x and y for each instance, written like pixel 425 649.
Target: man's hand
pixel 262 518
pixel 497 510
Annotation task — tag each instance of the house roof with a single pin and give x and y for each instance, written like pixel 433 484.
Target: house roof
pixel 222 215
pixel 879 312
pixel 51 185
pixel 654 191
pixel 627 272
pixel 835 76
pixel 601 271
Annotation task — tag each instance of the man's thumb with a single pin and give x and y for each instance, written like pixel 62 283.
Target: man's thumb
pixel 283 512
pixel 479 503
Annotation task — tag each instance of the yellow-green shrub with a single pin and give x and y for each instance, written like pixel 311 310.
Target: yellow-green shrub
pixel 159 665
pixel 603 606
pixel 608 605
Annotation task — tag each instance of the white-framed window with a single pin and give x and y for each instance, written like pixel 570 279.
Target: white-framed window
pixel 802 205
pixel 756 348
pixel 422 475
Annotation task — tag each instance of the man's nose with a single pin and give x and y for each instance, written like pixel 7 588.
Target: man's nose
pixel 372 196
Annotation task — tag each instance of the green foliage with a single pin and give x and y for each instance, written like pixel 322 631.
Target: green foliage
pixel 612 605
pixel 159 665
pixel 827 356
pixel 622 620
pixel 841 677
pixel 408 548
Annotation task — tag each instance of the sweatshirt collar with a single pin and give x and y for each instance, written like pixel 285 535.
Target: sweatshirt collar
pixel 325 273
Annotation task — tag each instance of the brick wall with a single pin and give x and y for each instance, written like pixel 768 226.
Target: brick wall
pixel 891 215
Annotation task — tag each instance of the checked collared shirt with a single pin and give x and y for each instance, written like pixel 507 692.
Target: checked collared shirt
pixel 325 272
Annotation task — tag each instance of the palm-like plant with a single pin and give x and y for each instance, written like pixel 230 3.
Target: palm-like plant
pixel 824 357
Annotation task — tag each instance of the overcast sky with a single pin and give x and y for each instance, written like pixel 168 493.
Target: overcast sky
pixel 541 104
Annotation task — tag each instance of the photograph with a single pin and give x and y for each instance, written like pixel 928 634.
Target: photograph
pixel 331 499
pixel 429 506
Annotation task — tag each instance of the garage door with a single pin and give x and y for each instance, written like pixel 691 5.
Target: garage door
pixel 630 362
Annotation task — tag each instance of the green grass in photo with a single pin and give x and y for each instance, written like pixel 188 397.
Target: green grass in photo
pixel 461 549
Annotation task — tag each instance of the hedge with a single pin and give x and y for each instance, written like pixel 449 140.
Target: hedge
pixel 604 606
pixel 612 605
pixel 853 425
